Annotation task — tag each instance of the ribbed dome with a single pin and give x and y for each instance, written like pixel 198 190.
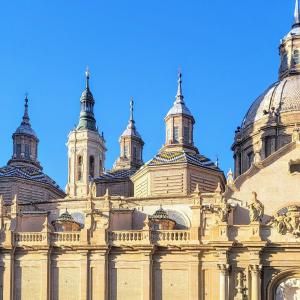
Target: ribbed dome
pixel 283 96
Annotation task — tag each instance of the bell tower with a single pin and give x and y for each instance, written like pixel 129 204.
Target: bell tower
pixel 86 148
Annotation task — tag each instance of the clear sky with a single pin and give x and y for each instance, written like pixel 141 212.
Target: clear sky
pixel 227 50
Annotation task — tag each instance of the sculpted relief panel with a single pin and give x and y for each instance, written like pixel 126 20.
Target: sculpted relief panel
pixel 288 221
pixel 288 290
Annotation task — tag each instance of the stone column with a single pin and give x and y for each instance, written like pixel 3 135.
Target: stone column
pixel 255 282
pixel 146 261
pixel 224 269
pixel 8 275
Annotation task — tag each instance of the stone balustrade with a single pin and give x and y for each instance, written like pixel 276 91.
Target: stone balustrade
pixel 65 238
pixel 31 238
pixel 44 238
pixel 157 237
pixel 115 238
pixel 171 236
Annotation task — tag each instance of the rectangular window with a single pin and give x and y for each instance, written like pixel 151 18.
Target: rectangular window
pixel 27 151
pixel 18 150
pixel 126 150
pixel 176 134
pixel 186 135
pixel 134 152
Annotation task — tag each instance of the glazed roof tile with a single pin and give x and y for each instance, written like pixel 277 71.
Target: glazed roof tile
pixel 29 173
pixel 116 174
pixel 165 158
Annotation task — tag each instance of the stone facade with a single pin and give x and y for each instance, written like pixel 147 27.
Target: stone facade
pixel 172 228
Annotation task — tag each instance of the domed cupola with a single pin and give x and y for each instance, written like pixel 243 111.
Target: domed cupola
pixel 25 143
pixel 270 120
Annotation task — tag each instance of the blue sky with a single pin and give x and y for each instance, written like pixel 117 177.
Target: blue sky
pixel 227 50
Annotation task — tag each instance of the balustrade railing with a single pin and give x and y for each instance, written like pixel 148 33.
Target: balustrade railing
pixel 30 238
pixel 119 237
pixel 44 238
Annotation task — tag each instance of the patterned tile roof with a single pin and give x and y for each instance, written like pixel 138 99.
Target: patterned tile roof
pixel 164 158
pixel 116 175
pixel 29 173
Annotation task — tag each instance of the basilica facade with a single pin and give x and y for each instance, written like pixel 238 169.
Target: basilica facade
pixel 174 227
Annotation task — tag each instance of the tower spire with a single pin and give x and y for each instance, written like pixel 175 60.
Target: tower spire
pixel 131 119
pixel 297 15
pixel 26 116
pixel 87 78
pixel 179 96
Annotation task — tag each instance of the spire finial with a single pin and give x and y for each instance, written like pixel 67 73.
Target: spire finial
pixel 26 116
pixel 297 15
pixel 87 76
pixel 131 109
pixel 179 89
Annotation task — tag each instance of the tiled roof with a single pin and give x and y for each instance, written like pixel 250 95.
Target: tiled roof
pixel 29 173
pixel 164 158
pixel 116 175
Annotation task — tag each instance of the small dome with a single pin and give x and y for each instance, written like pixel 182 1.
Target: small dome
pixel 179 107
pixel 25 129
pixel 283 96
pixel 160 214
pixel 131 131
pixel 65 217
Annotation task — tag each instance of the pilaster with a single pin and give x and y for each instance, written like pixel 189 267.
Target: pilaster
pixel 224 274
pixel 146 261
pixel 84 275
pixel 8 275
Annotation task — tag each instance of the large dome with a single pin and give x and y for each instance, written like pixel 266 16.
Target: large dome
pixel 282 96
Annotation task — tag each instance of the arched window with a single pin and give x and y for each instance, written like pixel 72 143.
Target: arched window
pixel 268 146
pixel 92 166
pixel 296 57
pixel 79 168
pixel 100 164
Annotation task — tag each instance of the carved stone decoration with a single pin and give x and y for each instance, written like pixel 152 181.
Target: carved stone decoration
pixel 288 289
pixel 256 209
pixel 287 222
pixel 240 286
pixel 92 190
